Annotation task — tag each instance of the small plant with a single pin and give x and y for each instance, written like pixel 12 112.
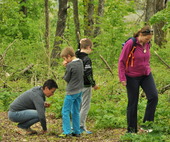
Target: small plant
pixel 5 99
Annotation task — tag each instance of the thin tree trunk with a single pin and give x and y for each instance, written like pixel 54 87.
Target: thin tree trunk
pixel 100 13
pixel 47 35
pixel 88 17
pixel 76 20
pixel 61 24
pixel 47 45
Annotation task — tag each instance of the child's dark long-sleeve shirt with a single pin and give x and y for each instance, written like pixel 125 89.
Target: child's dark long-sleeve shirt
pixel 88 71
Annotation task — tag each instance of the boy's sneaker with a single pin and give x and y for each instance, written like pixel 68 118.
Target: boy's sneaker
pixel 85 131
pixel 76 135
pixel 64 135
pixel 88 132
pixel 81 130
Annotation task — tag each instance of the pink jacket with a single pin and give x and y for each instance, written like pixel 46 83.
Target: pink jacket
pixel 141 61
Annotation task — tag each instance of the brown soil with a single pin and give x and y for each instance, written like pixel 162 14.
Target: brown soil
pixel 8 132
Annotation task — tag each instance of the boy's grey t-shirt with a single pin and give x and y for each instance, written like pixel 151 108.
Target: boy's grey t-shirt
pixel 31 99
pixel 74 77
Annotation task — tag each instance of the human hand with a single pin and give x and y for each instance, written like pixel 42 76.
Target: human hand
pixel 64 63
pixel 124 83
pixel 46 104
pixel 96 87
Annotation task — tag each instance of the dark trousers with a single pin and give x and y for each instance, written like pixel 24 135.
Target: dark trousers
pixel 148 86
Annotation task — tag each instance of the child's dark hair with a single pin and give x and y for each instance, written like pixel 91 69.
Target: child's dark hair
pixel 50 83
pixel 144 31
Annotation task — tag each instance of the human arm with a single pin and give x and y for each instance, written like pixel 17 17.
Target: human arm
pixel 67 75
pixel 39 105
pixel 122 61
pixel 88 73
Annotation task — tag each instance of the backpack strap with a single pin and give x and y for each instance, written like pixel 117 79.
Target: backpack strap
pixel 134 41
pixel 130 59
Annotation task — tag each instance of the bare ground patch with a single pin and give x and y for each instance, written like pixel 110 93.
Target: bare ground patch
pixel 8 132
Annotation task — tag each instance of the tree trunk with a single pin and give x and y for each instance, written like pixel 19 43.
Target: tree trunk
pixel 152 7
pixel 61 24
pixel 150 10
pixel 23 8
pixel 159 34
pixel 46 25
pixel 76 20
pixel 47 37
pixel 100 13
pixel 88 17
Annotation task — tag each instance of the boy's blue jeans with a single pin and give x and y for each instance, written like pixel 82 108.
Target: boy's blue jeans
pixel 25 118
pixel 71 106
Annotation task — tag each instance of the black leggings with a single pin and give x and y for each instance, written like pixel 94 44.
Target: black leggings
pixel 148 86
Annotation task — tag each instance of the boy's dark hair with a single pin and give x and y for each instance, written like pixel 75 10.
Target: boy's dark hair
pixel 50 83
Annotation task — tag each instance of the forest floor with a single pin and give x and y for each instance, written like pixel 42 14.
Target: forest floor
pixel 8 132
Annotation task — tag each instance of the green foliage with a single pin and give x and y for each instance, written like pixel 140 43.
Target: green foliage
pixel 151 137
pixel 6 98
pixel 114 29
pixel 14 24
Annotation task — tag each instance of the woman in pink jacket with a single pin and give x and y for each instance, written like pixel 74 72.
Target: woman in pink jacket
pixel 135 72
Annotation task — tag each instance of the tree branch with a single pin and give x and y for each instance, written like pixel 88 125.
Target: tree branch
pixel 109 68
pixel 162 90
pixel 162 60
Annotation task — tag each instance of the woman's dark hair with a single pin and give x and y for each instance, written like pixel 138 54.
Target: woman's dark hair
pixel 144 31
pixel 50 83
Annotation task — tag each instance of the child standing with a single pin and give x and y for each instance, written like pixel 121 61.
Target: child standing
pixel 85 49
pixel 74 78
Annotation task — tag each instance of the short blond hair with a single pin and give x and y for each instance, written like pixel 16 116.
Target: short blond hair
pixel 67 51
